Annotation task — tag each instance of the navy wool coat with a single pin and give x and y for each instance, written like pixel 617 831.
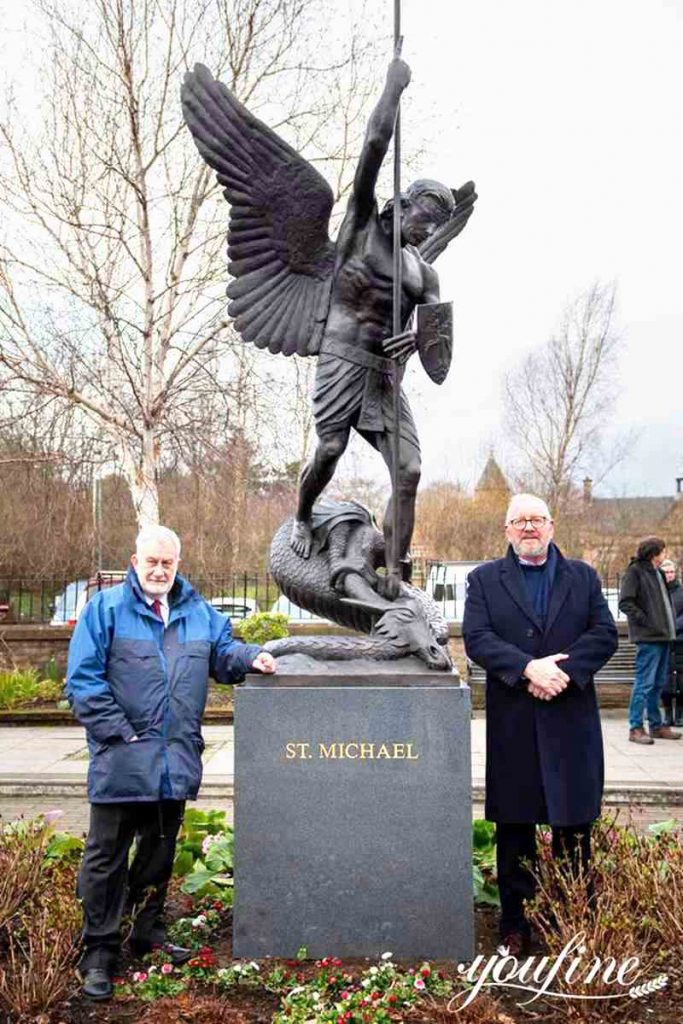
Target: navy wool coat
pixel 544 759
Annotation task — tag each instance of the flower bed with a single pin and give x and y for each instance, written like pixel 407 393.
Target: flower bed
pixel 40 919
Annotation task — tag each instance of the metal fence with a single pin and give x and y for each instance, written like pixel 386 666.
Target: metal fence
pixel 59 601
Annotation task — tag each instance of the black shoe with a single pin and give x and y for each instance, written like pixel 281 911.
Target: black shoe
pixel 97 984
pixel 178 955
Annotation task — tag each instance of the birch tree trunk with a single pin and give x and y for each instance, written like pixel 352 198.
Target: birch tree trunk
pixel 112 267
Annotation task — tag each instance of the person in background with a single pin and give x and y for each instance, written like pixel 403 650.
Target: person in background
pixel 139 665
pixel 672 695
pixel 539 624
pixel 644 599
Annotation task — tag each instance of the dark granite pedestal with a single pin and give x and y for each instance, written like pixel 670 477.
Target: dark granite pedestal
pixel 353 812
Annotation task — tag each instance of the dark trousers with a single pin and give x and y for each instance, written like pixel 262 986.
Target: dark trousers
pixel 108 887
pixel 516 843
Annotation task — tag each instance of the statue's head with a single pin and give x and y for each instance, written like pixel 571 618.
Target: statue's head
pixel 425 206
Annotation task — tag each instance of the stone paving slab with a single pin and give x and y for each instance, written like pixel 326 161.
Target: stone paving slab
pixel 43 767
pixel 30 751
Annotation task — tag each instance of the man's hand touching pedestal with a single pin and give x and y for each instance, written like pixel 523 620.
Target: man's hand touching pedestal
pixel 264 662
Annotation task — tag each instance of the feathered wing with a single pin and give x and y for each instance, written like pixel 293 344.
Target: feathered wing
pixel 279 250
pixel 465 198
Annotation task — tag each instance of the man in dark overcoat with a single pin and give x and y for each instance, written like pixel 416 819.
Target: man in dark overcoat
pixel 540 626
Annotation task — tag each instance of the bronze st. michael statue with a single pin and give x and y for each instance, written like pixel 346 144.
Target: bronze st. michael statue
pixel 295 291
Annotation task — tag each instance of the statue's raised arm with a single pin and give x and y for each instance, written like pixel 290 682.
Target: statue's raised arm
pixel 376 142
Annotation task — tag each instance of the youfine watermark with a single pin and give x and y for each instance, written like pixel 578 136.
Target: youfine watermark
pixel 566 976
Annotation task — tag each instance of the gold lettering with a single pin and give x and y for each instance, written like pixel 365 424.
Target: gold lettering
pixel 399 750
pixel 300 751
pixel 329 752
pixel 383 752
pixel 410 756
pixel 348 750
pixel 367 750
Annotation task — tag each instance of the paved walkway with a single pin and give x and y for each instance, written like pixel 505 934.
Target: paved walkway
pixel 44 767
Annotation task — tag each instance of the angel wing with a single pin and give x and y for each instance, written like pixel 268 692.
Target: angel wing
pixel 465 198
pixel 279 250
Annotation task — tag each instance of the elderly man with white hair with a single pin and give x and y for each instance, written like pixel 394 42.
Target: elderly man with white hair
pixel 540 626
pixel 139 666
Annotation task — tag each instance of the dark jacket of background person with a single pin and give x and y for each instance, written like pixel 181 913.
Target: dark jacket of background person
pixel 676 595
pixel 544 758
pixel 128 675
pixel 641 599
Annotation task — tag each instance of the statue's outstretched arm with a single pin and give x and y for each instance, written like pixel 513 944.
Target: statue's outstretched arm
pixel 377 138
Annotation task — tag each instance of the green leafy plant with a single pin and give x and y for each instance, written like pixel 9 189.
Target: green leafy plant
pixel 202 966
pixel 196 826
pixel 249 975
pixel 65 847
pixel 484 862
pixel 193 932
pixel 383 992
pixel 213 872
pixel 51 672
pixel 23 686
pixel 157 981
pixel 264 626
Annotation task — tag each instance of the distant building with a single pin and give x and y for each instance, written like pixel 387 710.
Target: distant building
pixel 492 484
pixel 612 527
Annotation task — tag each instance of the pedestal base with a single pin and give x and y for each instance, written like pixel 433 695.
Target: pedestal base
pixel 353 817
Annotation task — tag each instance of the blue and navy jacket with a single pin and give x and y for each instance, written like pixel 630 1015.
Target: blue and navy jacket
pixel 128 675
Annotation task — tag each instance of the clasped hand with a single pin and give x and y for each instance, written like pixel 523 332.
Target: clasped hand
pixel 401 346
pixel 546 678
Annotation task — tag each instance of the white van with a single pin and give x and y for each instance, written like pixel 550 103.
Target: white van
pixel 447 585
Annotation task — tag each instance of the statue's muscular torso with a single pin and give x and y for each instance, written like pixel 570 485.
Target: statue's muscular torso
pixel 361 303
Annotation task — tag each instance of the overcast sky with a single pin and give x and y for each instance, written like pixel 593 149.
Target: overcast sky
pixel 568 117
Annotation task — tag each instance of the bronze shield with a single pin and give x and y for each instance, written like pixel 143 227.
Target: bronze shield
pixel 434 332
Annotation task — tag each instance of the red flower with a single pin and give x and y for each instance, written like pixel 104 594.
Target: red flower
pixel 393 998
pixel 344 994
pixel 336 962
pixel 426 971
pixel 332 980
pixel 375 995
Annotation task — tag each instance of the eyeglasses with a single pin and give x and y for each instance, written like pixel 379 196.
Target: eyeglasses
pixel 536 521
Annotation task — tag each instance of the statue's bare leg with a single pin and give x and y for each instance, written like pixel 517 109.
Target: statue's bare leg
pixel 315 476
pixel 409 478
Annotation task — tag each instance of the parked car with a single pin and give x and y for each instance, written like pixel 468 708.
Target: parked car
pixel 234 607
pixel 447 585
pixel 69 604
pixel 293 611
